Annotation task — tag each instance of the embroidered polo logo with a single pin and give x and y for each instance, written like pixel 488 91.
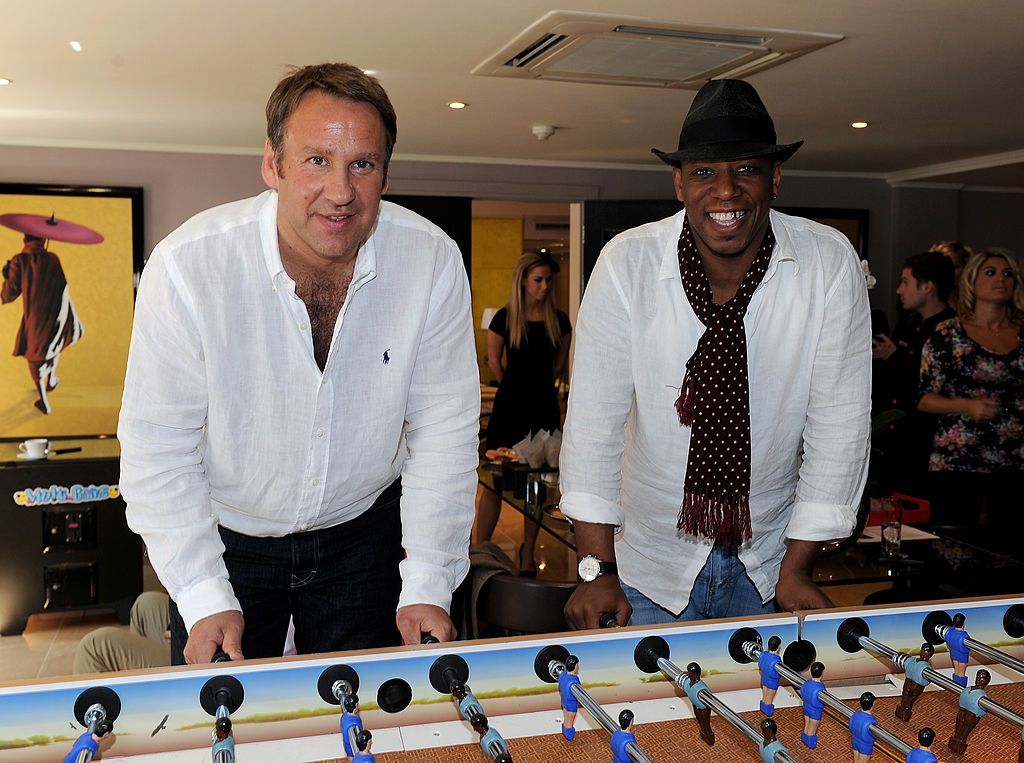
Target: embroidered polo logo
pixel 387 357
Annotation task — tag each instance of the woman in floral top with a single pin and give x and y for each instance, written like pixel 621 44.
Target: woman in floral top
pixel 972 377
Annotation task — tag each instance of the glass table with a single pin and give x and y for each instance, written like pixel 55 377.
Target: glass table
pixel 947 562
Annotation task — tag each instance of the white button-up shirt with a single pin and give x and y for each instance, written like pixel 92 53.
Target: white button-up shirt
pixel 227 419
pixel 623 459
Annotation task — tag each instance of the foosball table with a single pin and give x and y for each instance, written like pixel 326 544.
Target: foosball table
pixel 723 690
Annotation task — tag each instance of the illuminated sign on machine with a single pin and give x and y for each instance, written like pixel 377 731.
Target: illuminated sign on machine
pixel 61 494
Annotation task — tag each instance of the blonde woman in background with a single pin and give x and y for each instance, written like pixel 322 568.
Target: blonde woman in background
pixel 972 378
pixel 533 336
pixel 958 254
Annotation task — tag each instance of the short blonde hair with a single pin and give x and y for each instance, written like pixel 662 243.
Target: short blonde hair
pixel 969 277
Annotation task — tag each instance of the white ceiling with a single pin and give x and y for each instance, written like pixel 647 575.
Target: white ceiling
pixel 940 80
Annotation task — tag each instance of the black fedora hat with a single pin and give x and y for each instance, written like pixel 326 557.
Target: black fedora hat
pixel 726 121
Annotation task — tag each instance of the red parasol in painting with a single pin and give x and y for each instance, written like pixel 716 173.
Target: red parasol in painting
pixel 51 228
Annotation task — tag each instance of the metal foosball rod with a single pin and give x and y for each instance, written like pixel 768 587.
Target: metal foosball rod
pixel 550 664
pixel 652 655
pixel 338 685
pixel 220 697
pixel 96 709
pixel 448 675
pixel 745 646
pixel 938 627
pixel 854 635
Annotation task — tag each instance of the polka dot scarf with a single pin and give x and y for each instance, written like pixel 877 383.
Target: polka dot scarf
pixel 715 403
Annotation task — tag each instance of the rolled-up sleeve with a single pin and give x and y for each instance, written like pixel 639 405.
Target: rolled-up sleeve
pixel 600 398
pixel 442 431
pixel 836 435
pixel 161 427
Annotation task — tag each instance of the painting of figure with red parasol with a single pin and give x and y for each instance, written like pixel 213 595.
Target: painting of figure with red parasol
pixel 68 258
pixel 49 321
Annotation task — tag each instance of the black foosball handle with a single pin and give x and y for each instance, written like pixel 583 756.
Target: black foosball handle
pixel 607 620
pixel 429 638
pixel 220 656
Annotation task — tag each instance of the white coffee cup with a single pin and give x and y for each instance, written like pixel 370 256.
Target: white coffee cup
pixel 37 447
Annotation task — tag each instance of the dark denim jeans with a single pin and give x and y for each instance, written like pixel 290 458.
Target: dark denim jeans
pixel 340 584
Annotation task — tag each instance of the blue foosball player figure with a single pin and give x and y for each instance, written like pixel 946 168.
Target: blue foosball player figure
pixel 863 740
pixel 223 748
pixel 351 722
pixel 923 752
pixel 769 675
pixel 813 706
pixel 769 745
pixel 959 654
pixel 364 741
pixel 89 741
pixel 566 680
pixel 623 737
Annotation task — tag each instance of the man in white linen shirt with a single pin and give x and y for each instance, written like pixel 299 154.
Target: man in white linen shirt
pixel 717 429
pixel 300 415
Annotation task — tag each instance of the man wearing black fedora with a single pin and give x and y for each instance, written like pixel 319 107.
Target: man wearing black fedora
pixel 717 429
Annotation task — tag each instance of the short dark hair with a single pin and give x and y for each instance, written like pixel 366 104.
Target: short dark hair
pixel 338 80
pixel 959 620
pixel 363 738
pixel 867 699
pixel 817 669
pixel 926 736
pixel 625 718
pixel 571 662
pixel 774 643
pixel 351 702
pixel 935 267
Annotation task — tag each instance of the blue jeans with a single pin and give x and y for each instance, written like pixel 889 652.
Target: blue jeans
pixel 340 584
pixel 722 589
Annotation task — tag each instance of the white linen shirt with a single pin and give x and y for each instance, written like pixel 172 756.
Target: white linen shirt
pixel 623 459
pixel 227 419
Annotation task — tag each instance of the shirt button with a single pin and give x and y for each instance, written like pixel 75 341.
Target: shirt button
pixel 319 433
pixel 302 327
pixel 314 482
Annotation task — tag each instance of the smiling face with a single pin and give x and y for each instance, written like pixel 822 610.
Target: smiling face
pixel 727 203
pixel 537 283
pixel 329 175
pixel 995 282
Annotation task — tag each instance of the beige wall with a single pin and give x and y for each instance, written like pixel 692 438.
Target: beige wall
pixel 497 245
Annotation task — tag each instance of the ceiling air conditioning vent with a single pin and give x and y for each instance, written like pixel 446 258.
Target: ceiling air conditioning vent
pixel 615 50
pixel 526 55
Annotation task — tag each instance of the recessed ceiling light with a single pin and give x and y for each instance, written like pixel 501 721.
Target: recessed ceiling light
pixel 76 46
pixel 456 105
pixel 858 125
pixel 369 72
pixel 4 81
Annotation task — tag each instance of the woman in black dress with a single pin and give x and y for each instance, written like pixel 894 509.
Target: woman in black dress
pixel 534 338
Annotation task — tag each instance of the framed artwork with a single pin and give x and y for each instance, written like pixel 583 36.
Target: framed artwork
pixel 71 256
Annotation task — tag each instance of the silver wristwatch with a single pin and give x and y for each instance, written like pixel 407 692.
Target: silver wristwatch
pixel 591 568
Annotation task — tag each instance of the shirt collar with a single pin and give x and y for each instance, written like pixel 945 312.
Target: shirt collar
pixel 366 259
pixel 783 248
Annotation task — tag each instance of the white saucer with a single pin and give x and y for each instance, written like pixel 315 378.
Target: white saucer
pixel 27 457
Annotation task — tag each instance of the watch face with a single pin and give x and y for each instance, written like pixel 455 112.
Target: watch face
pixel 590 568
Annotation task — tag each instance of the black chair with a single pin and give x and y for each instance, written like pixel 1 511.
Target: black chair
pixel 518 605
